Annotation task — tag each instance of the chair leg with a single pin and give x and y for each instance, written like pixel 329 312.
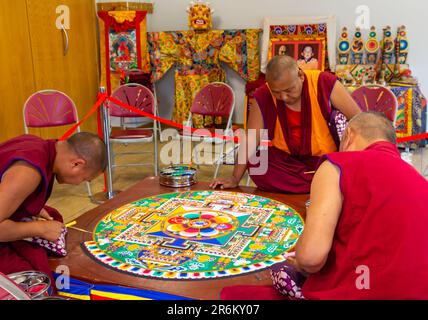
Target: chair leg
pixel 159 130
pixel 155 142
pixel 112 158
pixel 216 170
pixel 220 159
pixel 181 140
pixel 88 188
pixel 196 153
pixel 407 155
pixel 248 179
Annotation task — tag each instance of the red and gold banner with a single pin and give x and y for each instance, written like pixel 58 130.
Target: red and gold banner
pixel 123 45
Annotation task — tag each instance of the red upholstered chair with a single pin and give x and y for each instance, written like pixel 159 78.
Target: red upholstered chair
pixel 380 99
pixel 216 99
pixel 50 108
pixel 377 98
pixel 140 97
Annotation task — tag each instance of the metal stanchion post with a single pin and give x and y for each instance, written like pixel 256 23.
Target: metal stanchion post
pixel 104 196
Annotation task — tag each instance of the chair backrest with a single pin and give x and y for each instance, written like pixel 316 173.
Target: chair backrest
pixel 134 95
pixel 49 108
pixel 214 99
pixel 377 98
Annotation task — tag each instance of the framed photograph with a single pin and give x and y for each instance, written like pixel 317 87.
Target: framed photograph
pixel 309 40
pixel 310 55
pixel 284 48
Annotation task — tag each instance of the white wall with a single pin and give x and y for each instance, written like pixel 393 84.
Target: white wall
pixel 171 15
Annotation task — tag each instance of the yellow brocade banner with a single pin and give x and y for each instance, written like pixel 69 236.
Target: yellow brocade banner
pixel 197 57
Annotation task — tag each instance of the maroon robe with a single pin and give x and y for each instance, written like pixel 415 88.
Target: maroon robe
pixel 22 255
pixel 381 232
pixel 286 172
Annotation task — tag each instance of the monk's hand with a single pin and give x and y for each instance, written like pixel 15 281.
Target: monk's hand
pixel 50 230
pixel 44 215
pixel 292 260
pixel 225 183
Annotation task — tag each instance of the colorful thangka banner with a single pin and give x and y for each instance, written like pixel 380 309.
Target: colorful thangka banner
pixel 123 45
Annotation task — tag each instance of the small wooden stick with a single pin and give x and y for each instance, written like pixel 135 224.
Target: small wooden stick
pixel 81 230
pixel 308 172
pixel 70 224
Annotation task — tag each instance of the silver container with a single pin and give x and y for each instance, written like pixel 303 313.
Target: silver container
pixel 178 176
pixel 36 284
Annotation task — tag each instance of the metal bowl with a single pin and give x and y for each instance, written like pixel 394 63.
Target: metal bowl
pixel 36 284
pixel 178 176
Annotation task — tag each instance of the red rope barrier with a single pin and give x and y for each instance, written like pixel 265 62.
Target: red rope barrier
pixel 180 126
pixel 413 138
pixel 104 97
pixel 96 106
pixel 172 123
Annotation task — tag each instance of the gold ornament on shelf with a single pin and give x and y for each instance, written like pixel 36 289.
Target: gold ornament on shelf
pixel 402 45
pixel 357 48
pixel 372 47
pixel 343 47
pixel 387 46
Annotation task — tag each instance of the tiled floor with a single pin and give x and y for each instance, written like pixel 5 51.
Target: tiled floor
pixel 73 201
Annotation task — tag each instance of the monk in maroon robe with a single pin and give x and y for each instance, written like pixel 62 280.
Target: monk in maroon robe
pixel 28 167
pixel 296 108
pixel 365 231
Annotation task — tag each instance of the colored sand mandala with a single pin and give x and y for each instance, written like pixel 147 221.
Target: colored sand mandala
pixel 196 235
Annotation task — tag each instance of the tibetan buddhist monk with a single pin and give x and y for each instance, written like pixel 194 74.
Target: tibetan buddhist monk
pixel 28 167
pixel 296 108
pixel 365 230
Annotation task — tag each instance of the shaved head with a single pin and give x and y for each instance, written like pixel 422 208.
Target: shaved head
pixel 91 148
pixel 373 126
pixel 280 66
pixel 285 79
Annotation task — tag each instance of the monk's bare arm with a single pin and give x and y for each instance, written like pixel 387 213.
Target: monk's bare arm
pixel 314 245
pixel 255 123
pixel 342 101
pixel 17 183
